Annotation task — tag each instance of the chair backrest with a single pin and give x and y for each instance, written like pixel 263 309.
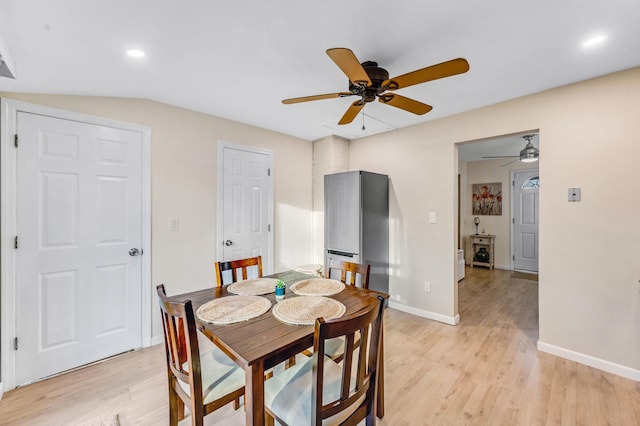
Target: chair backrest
pixel 353 269
pixel 181 344
pixel 234 266
pixel 358 388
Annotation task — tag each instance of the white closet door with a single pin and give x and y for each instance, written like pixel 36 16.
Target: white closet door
pixel 79 211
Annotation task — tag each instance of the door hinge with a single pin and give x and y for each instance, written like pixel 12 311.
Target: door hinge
pixel 15 242
pixel 268 172
pixel 15 343
pixel 513 220
pixel 15 140
pixel 269 228
pixel 513 257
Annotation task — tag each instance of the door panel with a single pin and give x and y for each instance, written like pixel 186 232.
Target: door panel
pixel 245 197
pixel 59 203
pixel 79 210
pixel 526 196
pixel 112 314
pixel 57 309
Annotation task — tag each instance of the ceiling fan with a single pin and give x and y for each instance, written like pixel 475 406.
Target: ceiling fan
pixel 529 153
pixel 368 81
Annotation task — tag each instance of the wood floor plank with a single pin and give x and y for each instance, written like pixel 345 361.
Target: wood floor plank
pixel 485 371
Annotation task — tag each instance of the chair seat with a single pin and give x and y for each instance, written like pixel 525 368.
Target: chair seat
pixel 333 347
pixel 288 394
pixel 220 375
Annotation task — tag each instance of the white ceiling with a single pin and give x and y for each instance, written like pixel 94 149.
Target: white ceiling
pixel 239 59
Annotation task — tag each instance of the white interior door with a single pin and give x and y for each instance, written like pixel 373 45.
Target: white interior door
pixel 526 185
pixel 246 200
pixel 79 212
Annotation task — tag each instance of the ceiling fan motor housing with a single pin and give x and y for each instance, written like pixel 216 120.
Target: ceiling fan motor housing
pixel 377 76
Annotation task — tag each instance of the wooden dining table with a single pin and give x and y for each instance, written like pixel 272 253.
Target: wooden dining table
pixel 264 342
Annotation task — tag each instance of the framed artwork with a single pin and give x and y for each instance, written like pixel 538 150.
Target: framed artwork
pixel 487 198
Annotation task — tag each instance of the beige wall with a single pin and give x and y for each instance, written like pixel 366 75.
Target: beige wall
pixel 589 294
pixel 330 155
pixel 184 185
pixel 482 172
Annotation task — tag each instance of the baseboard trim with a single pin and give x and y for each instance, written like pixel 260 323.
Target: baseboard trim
pixel 156 340
pixel 600 364
pixel 425 314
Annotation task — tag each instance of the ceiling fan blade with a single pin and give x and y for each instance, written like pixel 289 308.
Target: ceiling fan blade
pixel 352 112
pixel 434 72
pixel 316 97
pixel 404 103
pixel 510 162
pixel 502 156
pixel 346 60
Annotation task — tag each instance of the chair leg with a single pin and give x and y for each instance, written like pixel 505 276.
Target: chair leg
pixel 197 414
pixel 236 404
pixel 380 401
pixel 176 408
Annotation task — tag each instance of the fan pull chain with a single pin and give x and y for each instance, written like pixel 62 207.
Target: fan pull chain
pixel 363 128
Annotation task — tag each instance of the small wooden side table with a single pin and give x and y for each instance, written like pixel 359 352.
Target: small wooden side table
pixel 486 241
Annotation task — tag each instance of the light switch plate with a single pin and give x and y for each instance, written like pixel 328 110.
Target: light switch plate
pixel 433 218
pixel 173 224
pixel 574 195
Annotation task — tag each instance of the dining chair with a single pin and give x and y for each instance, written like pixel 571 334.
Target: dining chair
pixel 234 266
pixel 349 270
pixel 202 382
pixel 319 391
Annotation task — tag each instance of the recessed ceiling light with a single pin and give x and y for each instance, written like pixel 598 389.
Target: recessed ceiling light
pixel 593 41
pixel 135 53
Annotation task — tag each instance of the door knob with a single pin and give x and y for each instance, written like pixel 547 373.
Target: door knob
pixel 228 243
pixel 134 252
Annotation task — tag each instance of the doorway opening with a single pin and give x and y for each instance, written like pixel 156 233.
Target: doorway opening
pixel 493 163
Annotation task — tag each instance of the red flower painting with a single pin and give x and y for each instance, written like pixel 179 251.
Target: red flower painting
pixel 486 198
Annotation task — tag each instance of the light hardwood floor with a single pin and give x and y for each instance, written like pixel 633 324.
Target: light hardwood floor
pixel 485 371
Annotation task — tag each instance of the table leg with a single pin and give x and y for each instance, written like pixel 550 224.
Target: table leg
pixel 380 402
pixel 254 394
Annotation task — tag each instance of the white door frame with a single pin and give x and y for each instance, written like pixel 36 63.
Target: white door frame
pixel 512 228
pixel 8 222
pixel 268 267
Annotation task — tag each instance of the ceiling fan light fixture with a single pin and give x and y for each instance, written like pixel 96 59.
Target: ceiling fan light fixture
pixel 530 153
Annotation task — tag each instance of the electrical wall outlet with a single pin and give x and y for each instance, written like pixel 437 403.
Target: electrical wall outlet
pixel 427 286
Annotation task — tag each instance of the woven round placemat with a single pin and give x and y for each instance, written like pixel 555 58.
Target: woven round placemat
pixel 310 270
pixel 254 287
pixel 317 287
pixel 228 310
pixel 304 310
